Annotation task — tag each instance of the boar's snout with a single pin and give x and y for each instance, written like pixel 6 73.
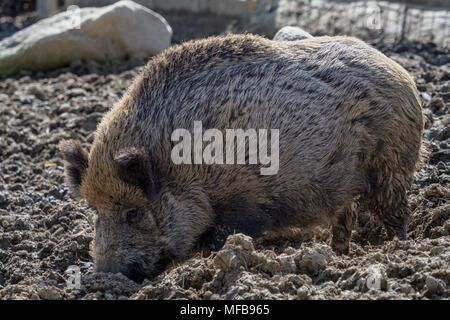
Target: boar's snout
pixel 133 271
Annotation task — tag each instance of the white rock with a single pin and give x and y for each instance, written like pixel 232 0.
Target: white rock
pixel 124 28
pixel 291 34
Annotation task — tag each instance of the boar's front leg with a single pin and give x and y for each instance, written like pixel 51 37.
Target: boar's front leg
pixel 342 229
pixel 240 216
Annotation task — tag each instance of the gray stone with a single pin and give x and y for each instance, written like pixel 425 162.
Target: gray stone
pixel 291 34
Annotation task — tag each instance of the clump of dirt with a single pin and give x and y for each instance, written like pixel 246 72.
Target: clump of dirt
pixel 43 231
pixel 408 270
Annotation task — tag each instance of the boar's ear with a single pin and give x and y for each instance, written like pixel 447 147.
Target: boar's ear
pixel 135 168
pixel 75 164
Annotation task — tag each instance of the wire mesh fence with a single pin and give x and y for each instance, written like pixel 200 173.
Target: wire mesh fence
pixel 367 19
pixel 389 20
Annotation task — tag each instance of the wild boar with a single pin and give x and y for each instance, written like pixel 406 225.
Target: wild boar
pixel 350 125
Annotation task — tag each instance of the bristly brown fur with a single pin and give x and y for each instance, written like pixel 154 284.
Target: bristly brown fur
pixel 350 124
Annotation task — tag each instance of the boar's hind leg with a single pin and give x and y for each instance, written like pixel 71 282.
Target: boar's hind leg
pixel 342 229
pixel 395 220
pixel 389 202
pixel 395 214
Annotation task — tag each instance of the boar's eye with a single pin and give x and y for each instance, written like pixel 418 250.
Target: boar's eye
pixel 133 216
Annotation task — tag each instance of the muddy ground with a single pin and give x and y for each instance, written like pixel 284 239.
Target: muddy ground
pixel 43 231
